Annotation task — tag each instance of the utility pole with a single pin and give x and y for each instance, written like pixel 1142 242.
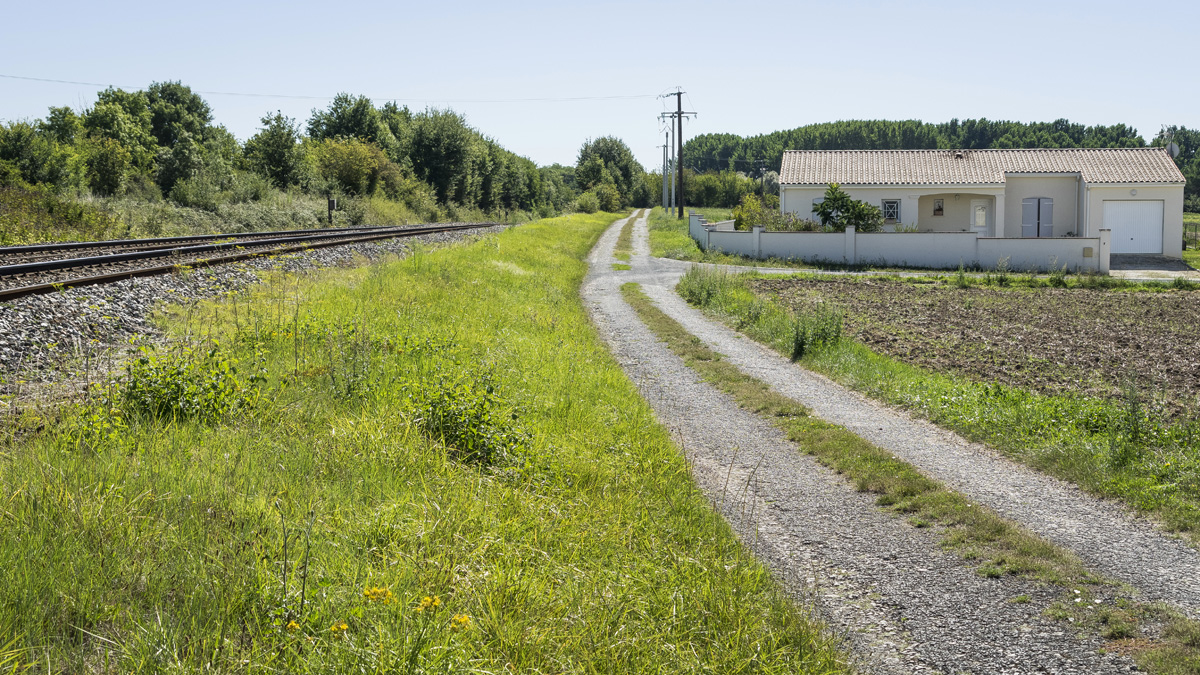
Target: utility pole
pixel 666 144
pixel 677 118
pixel 679 153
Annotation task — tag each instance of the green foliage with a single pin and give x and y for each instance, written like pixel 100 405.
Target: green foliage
pixel 1188 160
pixel 838 211
pixel 139 146
pixel 351 117
pixel 720 152
pixel 354 166
pixel 175 110
pixel 607 160
pixel 717 188
pixel 793 333
pixel 62 125
pixel 204 386
pixel 609 197
pixel 107 162
pixel 33 213
pixel 274 151
pixel 471 419
pixel 587 202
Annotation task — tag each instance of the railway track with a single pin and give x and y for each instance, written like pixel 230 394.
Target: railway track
pixel 46 268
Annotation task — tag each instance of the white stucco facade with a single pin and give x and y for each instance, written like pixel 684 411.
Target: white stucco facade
pixel 1078 207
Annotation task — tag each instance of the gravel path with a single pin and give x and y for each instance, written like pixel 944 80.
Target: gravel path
pixel 46 338
pixel 904 604
pixel 1104 534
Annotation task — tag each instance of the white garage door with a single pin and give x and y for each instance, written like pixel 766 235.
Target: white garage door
pixel 1137 226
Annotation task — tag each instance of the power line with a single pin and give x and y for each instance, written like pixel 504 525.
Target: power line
pixel 537 99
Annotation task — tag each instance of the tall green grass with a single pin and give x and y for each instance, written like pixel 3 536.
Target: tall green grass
pixel 793 333
pixel 1123 449
pixel 430 465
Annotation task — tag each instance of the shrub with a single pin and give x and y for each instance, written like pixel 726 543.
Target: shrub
pixel 587 202
pixel 608 197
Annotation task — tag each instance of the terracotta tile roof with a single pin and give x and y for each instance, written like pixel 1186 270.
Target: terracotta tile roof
pixel 974 167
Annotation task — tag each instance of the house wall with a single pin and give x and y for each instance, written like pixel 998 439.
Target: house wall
pixel 1064 190
pixel 1171 195
pixel 913 209
pixel 956 213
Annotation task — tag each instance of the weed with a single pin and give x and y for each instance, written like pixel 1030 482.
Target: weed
pixel 205 386
pixel 471 420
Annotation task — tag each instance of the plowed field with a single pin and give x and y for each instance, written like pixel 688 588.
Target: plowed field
pixel 1089 342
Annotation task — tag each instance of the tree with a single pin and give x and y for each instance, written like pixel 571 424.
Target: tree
pixel 442 154
pixel 617 161
pixel 175 110
pixel 274 151
pixel 183 160
pixel 354 166
pixel 62 125
pixel 350 117
pixel 112 118
pixel 838 211
pixel 108 162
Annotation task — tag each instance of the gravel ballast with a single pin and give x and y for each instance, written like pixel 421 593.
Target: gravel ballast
pixel 47 338
pixel 903 603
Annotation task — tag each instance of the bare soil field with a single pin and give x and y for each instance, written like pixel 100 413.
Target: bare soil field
pixel 1056 341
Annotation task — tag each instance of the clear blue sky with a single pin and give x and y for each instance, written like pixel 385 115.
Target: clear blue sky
pixel 747 68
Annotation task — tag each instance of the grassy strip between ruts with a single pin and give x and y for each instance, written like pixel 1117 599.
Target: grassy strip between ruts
pixel 427 465
pixel 975 533
pixel 1099 445
pixel 624 249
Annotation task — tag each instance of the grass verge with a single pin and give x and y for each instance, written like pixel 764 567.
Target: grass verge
pixel 1109 449
pixel 426 465
pixel 995 545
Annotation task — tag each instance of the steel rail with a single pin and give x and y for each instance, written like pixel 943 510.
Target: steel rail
pixel 7 295
pixel 114 243
pixel 91 261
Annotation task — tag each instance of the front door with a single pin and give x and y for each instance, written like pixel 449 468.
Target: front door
pixel 979 216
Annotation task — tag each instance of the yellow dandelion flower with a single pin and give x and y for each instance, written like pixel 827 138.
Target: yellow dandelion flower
pixel 338 627
pixel 460 622
pixel 293 626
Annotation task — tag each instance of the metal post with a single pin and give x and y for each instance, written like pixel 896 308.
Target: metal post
pixel 332 206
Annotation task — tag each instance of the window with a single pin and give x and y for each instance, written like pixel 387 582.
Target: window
pixel 891 210
pixel 816 201
pixel 937 207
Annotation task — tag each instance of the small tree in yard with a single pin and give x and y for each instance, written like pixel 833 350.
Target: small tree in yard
pixel 838 211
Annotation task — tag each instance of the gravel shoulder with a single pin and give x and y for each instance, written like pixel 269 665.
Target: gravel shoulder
pixel 903 604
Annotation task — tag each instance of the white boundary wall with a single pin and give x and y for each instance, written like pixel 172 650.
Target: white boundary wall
pixel 937 250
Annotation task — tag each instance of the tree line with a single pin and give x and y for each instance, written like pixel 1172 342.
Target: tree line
pixel 707 153
pixel 162 144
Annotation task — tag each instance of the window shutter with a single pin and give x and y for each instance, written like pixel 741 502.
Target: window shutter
pixel 1029 212
pixel 1029 217
pixel 1047 216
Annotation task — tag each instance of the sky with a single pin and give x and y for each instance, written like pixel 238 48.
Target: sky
pixel 543 77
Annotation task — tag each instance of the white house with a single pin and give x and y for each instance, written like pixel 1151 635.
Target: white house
pixel 1137 193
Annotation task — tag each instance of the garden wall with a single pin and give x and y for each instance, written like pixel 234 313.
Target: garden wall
pixel 936 250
